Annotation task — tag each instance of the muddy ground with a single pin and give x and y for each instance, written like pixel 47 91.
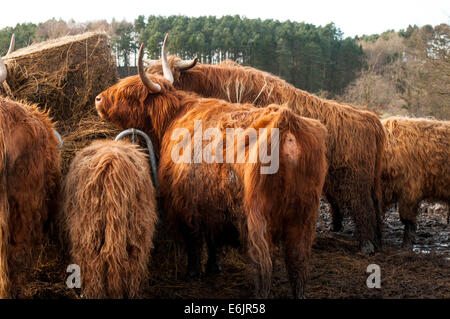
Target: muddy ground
pixel 337 269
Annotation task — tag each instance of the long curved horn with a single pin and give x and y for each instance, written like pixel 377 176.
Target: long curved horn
pixel 185 65
pixel 165 63
pixel 152 87
pixel 3 71
pixel 12 44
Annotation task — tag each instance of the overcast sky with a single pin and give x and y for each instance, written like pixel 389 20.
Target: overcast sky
pixel 353 17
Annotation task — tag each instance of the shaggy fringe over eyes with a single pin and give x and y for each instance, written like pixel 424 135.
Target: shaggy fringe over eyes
pixel 30 168
pixel 108 217
pixel 416 163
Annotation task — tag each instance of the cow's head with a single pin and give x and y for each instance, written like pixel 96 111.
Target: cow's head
pixel 143 101
pixel 3 70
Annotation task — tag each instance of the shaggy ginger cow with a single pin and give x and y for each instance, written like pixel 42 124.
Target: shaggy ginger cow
pixel 416 167
pixel 355 138
pixel 219 200
pixel 108 218
pixel 29 178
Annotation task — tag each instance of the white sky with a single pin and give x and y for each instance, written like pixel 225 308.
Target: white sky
pixel 353 17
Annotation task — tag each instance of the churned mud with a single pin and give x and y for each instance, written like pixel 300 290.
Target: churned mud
pixel 337 268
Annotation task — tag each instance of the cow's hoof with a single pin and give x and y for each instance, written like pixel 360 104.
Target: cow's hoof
pixel 337 226
pixel 408 241
pixel 378 244
pixel 213 269
pixel 193 275
pixel 367 248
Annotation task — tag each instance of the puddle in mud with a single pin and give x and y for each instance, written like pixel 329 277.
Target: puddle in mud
pixel 433 231
pixel 439 248
pixel 426 249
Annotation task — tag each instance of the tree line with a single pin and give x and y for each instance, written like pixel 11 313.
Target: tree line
pixel 313 58
pixel 404 72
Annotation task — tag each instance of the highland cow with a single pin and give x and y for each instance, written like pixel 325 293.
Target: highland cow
pixel 355 139
pixel 416 167
pixel 108 218
pixel 224 203
pixel 29 179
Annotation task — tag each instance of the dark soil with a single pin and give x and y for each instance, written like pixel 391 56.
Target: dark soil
pixel 337 268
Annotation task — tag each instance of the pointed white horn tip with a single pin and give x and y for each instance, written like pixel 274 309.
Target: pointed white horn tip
pixel 164 46
pixel 12 44
pixel 186 65
pixel 165 63
pixel 59 137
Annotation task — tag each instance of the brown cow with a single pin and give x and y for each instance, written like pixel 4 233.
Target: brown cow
pixel 108 217
pixel 416 167
pixel 220 201
pixel 354 145
pixel 29 180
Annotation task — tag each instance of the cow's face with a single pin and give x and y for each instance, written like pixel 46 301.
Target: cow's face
pixel 119 102
pixel 142 101
pixel 129 103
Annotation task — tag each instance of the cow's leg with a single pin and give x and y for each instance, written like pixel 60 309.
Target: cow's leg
pixel 213 265
pixel 378 206
pixel 18 264
pixel 27 217
pixel 336 214
pixel 408 216
pixel 299 229
pixel 366 218
pixel 448 212
pixel 193 242
pixel 353 191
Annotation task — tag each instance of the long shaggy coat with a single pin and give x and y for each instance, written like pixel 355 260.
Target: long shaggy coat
pixel 219 199
pixel 30 167
pixel 108 218
pixel 355 139
pixel 416 166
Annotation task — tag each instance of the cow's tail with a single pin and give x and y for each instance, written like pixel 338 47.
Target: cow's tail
pixel 258 245
pixel 258 207
pixel 118 255
pixel 4 217
pixel 106 275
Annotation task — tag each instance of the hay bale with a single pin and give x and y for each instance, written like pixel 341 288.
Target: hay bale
pixel 78 136
pixel 62 75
